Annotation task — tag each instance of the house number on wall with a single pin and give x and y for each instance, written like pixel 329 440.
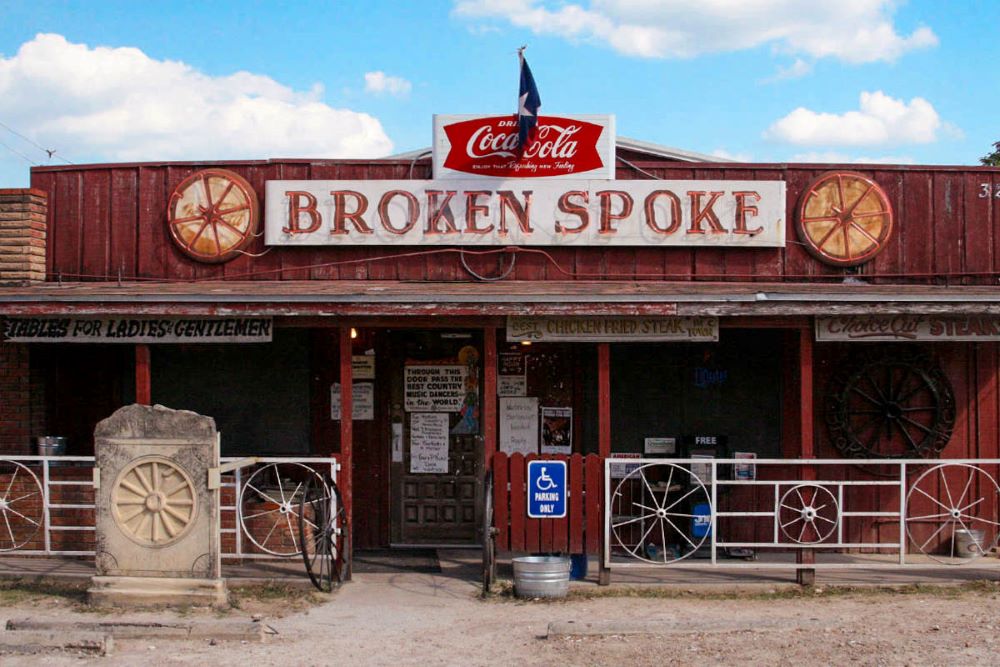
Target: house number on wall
pixel 986 188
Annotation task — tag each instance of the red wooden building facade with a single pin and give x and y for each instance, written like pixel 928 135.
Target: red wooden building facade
pixel 363 317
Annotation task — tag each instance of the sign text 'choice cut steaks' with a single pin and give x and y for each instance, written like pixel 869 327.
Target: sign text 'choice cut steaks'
pixel 524 212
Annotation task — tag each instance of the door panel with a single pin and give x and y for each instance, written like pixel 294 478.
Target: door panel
pixel 438 507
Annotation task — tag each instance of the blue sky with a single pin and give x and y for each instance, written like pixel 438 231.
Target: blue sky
pixel 759 80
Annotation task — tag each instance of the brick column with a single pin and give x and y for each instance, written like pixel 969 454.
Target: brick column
pixel 22 234
pixel 15 400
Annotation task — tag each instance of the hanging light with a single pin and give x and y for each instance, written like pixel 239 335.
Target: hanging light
pixel 354 333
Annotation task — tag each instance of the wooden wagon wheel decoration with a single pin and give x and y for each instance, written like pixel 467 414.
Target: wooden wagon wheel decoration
pixel 212 215
pixel 154 501
pixel 844 218
pixel 890 406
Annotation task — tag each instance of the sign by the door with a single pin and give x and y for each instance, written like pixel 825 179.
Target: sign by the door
pixel 429 442
pixel 547 481
pixel 437 388
pixel 363 398
pixel 519 425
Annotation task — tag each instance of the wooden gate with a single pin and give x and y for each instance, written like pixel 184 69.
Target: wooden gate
pixel 579 532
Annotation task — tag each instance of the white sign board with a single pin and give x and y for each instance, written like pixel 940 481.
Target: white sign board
pixel 363 401
pixel 903 328
pixel 575 213
pixel 621 470
pixel 512 385
pixel 434 388
pixel 138 330
pixel 519 425
pixel 660 445
pixel 622 328
pixel 429 442
pixel 363 366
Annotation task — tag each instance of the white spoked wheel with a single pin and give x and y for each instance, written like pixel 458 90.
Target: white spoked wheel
pixel 22 505
pixel 269 506
pixel 653 513
pixel 949 498
pixel 808 513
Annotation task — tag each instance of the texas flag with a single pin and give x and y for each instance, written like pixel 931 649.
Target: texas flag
pixel 527 103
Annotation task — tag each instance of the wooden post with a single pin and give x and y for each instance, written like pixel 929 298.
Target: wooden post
pixel 345 480
pixel 143 380
pixel 603 443
pixel 489 399
pixel 807 451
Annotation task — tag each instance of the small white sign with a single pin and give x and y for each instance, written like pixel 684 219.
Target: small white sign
pixel 660 445
pixel 397 442
pixel 745 470
pixel 429 442
pixel 434 388
pixel 621 470
pixel 363 366
pixel 519 425
pixel 363 399
pixel 512 385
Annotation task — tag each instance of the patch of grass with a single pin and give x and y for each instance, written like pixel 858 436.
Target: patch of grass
pixel 30 591
pixel 504 591
pixel 273 598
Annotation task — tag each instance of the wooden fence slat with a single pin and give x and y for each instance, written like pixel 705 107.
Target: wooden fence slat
pixel 501 499
pixel 518 513
pixel 560 527
pixel 532 527
pixel 594 499
pixel 575 504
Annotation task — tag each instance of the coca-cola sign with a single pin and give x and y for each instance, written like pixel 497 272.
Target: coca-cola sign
pixel 486 146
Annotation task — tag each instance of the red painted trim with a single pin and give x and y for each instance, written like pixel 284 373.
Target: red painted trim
pixel 604 399
pixel 143 380
pixel 807 450
pixel 489 402
pixel 345 479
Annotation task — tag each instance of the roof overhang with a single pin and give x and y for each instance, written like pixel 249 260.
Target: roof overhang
pixel 400 298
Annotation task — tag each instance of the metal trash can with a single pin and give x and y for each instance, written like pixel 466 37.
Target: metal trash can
pixel 969 543
pixel 541 576
pixel 50 445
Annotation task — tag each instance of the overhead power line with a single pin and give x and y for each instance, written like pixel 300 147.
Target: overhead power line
pixel 50 152
pixel 19 154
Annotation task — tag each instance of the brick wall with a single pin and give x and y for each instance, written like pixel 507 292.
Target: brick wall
pixel 16 425
pixel 22 234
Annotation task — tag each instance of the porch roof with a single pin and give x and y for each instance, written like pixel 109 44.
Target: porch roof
pixel 402 298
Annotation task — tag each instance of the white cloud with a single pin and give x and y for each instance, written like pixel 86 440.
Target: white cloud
pixel 735 157
pixel 854 31
pixel 100 103
pixel 796 70
pixel 833 157
pixel 880 120
pixel 381 83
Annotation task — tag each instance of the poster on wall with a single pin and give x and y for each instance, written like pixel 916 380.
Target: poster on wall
pixel 557 430
pixel 511 378
pixel 429 442
pixel 363 366
pixel 363 408
pixel 620 470
pixel 519 425
pixel 437 388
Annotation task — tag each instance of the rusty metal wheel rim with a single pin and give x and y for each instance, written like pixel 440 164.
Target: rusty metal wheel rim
pixel 844 218
pixel 212 215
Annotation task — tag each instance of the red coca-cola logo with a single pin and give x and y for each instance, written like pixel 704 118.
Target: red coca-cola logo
pixel 488 147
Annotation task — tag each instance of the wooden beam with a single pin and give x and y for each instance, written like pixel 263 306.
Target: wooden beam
pixel 489 397
pixel 604 400
pixel 143 380
pixel 806 446
pixel 345 479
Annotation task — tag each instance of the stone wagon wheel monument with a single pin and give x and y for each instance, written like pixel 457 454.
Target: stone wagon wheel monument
pixel 157 516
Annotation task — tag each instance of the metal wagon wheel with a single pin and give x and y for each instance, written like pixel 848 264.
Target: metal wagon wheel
pixel 844 218
pixel 22 505
pixel 212 215
pixel 808 513
pixel 650 508
pixel 489 536
pixel 967 498
pixel 891 407
pixel 323 534
pixel 269 506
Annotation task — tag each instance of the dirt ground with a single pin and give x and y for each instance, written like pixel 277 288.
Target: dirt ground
pixel 426 620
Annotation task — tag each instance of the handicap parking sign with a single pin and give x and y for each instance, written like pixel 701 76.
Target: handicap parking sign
pixel 546 489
